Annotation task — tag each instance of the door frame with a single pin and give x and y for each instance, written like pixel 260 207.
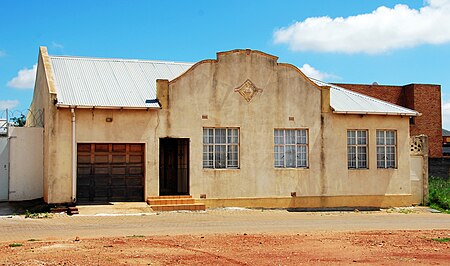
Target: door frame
pixel 186 152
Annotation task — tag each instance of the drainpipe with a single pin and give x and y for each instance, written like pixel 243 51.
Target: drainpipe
pixel 74 157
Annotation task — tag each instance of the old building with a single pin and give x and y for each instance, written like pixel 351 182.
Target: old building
pixel 238 130
pixel 424 98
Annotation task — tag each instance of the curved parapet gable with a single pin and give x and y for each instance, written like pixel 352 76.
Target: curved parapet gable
pixel 301 73
pixel 247 52
pixel 192 69
pixel 222 55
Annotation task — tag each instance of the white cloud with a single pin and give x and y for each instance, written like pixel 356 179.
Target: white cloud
pixel 8 104
pixel 2 53
pixel 24 79
pixel 57 45
pixel 446 114
pixel 382 30
pixel 310 71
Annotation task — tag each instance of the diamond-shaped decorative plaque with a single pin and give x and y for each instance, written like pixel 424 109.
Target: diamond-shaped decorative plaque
pixel 248 90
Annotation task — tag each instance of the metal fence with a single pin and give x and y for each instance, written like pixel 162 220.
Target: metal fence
pixel 20 118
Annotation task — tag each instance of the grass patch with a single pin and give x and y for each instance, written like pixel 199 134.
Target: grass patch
pixel 33 240
pixel 136 236
pixel 13 245
pixel 442 240
pixel 439 194
pixel 36 215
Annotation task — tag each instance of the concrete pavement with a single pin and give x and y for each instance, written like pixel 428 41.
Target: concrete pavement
pixel 215 221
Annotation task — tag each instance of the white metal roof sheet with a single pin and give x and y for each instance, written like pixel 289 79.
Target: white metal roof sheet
pixel 349 102
pixel 98 82
pixel 126 83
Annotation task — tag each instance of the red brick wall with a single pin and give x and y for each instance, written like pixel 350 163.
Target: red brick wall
pixel 424 98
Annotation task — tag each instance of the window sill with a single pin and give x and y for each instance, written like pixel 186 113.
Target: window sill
pixel 220 169
pixel 291 168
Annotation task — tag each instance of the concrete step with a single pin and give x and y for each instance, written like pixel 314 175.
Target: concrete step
pixel 170 197
pixel 179 207
pixel 170 201
pixel 115 208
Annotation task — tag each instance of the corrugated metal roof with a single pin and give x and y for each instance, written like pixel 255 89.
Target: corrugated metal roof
pixel 349 102
pixel 126 83
pixel 98 82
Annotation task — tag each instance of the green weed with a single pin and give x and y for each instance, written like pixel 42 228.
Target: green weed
pixel 439 194
pixel 442 240
pixel 13 245
pixel 36 215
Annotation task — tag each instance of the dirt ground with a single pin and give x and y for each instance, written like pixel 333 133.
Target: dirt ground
pixel 371 247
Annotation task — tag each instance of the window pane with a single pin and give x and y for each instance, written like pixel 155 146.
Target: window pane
pixel 351 137
pixel 390 157
pixel 351 157
pixel 380 137
pixel 290 136
pixel 208 156
pixel 279 156
pixel 301 156
pixel 220 136
pixel 290 156
pixel 362 137
pixel 301 137
pixel 220 156
pixel 233 135
pixel 362 157
pixel 279 136
pixel 232 156
pixel 390 138
pixel 208 135
pixel 380 157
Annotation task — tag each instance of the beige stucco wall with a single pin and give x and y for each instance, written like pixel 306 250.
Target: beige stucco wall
pixel 56 160
pixel 371 181
pixel 26 163
pixel 208 89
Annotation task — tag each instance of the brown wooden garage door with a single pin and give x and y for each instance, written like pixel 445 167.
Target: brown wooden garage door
pixel 110 172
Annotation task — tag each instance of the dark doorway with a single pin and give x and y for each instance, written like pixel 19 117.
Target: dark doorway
pixel 173 166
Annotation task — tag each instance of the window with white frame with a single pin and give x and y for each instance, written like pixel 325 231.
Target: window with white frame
pixel 291 148
pixel 220 148
pixel 357 149
pixel 386 148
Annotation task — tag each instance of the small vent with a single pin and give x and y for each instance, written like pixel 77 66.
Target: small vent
pixel 151 101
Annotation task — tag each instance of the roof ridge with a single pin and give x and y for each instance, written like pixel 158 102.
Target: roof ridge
pixel 117 59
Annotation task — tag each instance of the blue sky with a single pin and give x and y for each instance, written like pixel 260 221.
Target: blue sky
pixel 390 42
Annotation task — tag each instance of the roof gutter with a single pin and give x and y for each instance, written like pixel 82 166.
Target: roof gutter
pixel 375 113
pixel 104 107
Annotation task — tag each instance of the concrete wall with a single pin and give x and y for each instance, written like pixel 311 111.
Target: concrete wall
pixel 44 97
pixel 416 179
pixel 205 96
pixel 26 163
pixel 4 166
pixel 439 167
